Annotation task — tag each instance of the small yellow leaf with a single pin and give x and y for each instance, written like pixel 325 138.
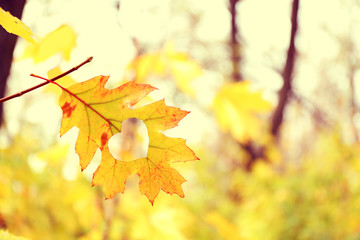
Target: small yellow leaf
pixel 145 65
pixel 182 68
pixel 184 72
pixel 64 81
pixel 237 108
pixel 167 60
pixel 13 25
pixel 62 40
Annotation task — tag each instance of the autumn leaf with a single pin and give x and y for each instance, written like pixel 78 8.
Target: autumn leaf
pixel 99 112
pixel 13 25
pixel 237 108
pixel 62 40
pixel 178 64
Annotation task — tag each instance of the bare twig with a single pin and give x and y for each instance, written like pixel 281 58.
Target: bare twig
pixel 287 73
pixel 43 84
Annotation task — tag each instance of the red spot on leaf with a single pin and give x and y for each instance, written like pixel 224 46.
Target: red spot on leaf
pixel 67 109
pixel 104 138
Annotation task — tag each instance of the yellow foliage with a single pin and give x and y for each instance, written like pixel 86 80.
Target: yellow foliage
pixel 54 154
pixel 226 229
pixel 62 40
pixel 237 108
pixel 43 205
pixel 7 236
pixel 165 220
pixel 13 25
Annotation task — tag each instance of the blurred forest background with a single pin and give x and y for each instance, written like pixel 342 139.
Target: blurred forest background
pixel 273 90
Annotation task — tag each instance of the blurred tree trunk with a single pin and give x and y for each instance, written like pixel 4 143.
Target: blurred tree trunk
pixel 234 43
pixel 257 152
pixel 287 73
pixel 254 152
pixel 7 45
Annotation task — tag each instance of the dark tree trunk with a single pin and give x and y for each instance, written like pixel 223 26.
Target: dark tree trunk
pixel 287 73
pixel 7 45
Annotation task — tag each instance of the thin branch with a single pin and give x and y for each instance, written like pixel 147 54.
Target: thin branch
pixel 287 73
pixel 45 83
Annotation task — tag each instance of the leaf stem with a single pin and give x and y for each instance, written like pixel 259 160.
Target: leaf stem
pixel 47 82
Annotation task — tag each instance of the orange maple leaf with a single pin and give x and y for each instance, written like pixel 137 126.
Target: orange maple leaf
pixel 99 112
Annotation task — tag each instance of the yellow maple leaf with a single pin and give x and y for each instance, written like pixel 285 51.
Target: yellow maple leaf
pixel 99 112
pixel 178 64
pixel 62 40
pixel 237 107
pixel 13 25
